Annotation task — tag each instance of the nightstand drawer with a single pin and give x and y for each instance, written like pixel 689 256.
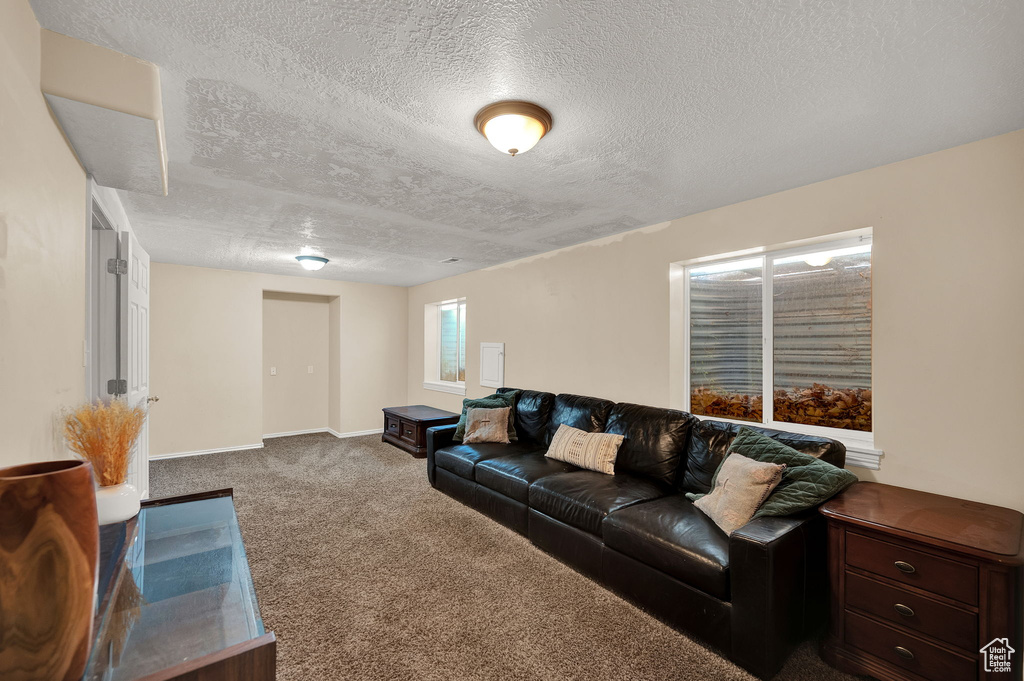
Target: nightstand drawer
pixel 928 571
pixel 392 425
pixel 905 609
pixel 409 432
pixel 906 651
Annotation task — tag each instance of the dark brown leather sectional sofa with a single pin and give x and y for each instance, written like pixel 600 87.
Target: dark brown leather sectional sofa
pixel 753 595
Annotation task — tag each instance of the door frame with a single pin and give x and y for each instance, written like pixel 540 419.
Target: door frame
pixel 98 212
pixel 103 207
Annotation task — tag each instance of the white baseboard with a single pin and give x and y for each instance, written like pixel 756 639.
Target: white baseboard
pixel 200 452
pixel 355 433
pixel 297 432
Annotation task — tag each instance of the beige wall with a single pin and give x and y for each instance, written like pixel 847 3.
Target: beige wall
pixel 206 354
pixel 948 317
pixel 42 254
pixel 334 364
pixel 296 331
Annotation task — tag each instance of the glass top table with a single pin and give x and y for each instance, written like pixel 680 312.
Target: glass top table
pixel 175 593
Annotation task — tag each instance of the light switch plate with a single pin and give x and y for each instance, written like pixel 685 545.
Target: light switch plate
pixel 309 369
pixel 273 371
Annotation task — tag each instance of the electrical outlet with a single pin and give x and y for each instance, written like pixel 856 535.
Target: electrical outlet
pixel 273 371
pixel 309 369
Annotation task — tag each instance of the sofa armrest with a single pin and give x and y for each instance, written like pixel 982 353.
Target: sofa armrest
pixel 779 585
pixel 438 437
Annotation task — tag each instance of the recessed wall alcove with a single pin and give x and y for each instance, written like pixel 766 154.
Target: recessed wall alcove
pixel 301 368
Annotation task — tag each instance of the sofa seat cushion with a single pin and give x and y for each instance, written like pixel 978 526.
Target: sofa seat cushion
pixel 672 535
pixel 513 475
pixel 462 459
pixel 584 498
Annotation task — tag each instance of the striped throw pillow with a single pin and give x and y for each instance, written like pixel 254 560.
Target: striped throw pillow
pixel 593 451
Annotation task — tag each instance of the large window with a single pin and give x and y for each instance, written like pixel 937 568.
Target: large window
pixel 444 326
pixel 783 339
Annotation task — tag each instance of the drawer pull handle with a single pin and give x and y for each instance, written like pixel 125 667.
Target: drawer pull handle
pixel 904 610
pixel 905 567
pixel 904 653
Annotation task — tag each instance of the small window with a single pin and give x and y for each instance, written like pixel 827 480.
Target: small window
pixel 444 326
pixel 783 339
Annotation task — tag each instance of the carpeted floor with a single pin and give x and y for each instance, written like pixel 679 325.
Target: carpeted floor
pixel 366 572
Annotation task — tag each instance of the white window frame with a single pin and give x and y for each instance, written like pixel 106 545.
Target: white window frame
pixel 432 348
pixel 860 446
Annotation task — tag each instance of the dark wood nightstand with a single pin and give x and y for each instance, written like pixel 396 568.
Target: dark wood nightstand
pixel 920 583
pixel 406 427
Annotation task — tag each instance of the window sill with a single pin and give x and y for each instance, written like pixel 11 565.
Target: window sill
pixel 442 387
pixel 862 456
pixel 860 449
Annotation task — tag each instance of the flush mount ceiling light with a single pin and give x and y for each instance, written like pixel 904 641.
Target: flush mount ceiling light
pixel 513 127
pixel 311 262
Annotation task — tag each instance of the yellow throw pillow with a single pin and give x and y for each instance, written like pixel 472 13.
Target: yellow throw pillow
pixel 593 451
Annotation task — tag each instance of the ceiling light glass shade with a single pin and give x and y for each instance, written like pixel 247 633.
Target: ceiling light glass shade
pixel 311 262
pixel 513 127
pixel 513 134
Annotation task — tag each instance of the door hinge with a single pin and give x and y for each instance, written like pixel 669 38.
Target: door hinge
pixel 117 266
pixel 117 386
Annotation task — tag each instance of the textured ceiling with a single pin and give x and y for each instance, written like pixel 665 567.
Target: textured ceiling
pixel 347 127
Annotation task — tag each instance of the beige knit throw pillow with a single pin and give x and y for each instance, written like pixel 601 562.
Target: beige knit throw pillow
pixel 593 451
pixel 487 425
pixel 742 486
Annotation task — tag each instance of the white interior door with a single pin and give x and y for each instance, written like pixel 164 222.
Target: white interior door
pixel 135 348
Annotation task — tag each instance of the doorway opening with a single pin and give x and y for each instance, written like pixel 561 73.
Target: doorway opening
pixel 300 368
pixel 117 333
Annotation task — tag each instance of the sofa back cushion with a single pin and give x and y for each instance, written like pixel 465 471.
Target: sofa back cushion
pixel 655 442
pixel 589 414
pixel 710 442
pixel 533 413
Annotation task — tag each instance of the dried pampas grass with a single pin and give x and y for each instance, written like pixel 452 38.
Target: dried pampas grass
pixel 103 435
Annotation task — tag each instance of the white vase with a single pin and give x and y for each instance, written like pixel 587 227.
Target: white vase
pixel 116 503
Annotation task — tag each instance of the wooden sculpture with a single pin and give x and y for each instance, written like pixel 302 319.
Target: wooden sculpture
pixel 49 544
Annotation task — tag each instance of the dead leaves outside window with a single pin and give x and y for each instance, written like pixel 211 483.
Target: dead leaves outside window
pixel 817 405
